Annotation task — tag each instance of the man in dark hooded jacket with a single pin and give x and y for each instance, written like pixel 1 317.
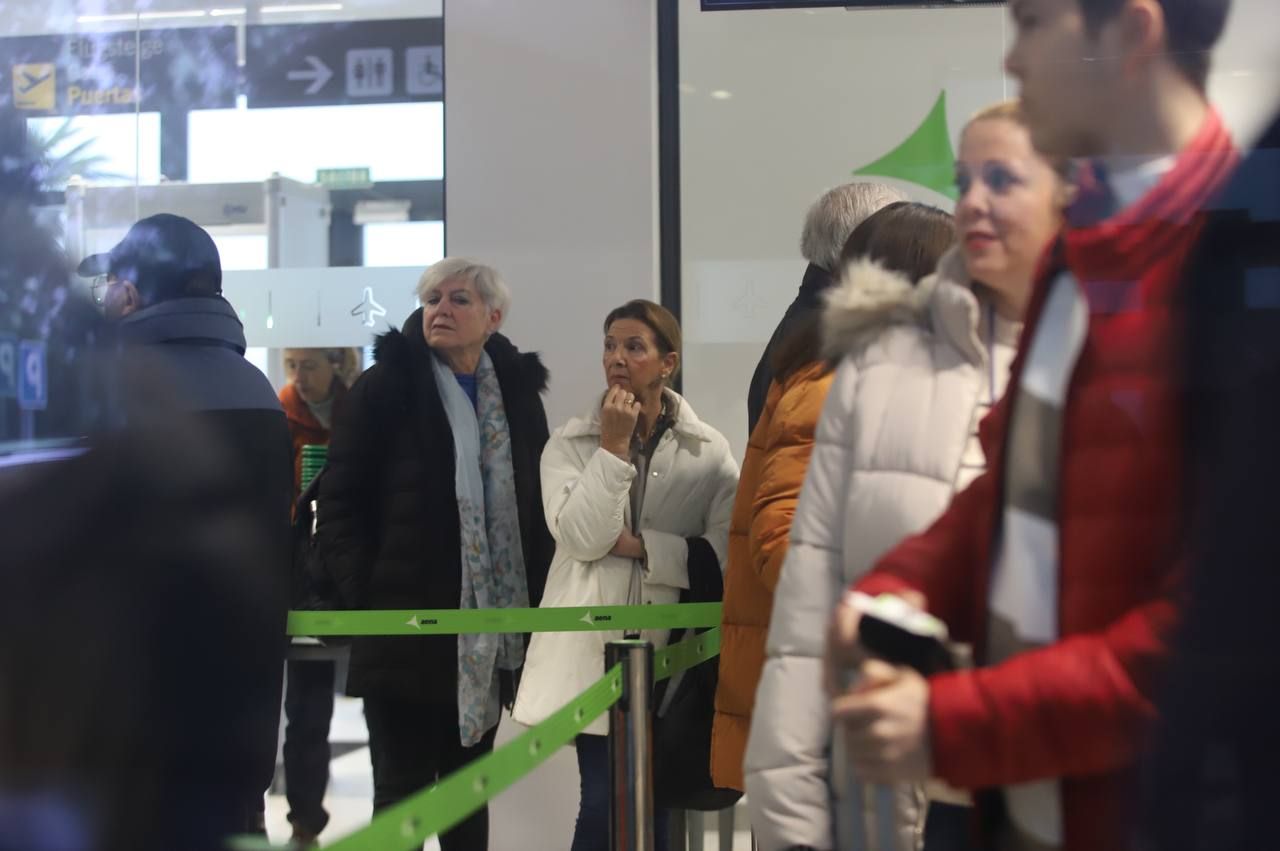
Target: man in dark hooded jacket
pixel 826 227
pixel 140 625
pixel 161 288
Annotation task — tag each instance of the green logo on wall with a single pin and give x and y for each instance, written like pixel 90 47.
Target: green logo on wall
pixel 926 158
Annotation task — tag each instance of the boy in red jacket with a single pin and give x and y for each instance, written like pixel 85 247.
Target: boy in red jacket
pixel 1058 565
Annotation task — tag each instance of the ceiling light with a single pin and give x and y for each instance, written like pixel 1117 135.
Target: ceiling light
pixel 721 94
pixel 102 19
pixel 302 7
pixel 188 13
pixel 143 16
pixel 223 13
pixel 375 211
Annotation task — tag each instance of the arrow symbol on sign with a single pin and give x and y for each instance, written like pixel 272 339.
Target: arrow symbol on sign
pixel 413 622
pixel 318 74
pixel 587 619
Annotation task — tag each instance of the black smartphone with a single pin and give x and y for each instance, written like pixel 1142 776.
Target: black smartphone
pixel 893 630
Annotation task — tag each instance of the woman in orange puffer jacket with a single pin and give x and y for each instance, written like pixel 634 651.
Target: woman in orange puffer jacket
pixel 908 238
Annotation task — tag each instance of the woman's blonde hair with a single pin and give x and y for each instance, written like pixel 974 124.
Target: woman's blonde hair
pixel 347 363
pixel 1011 110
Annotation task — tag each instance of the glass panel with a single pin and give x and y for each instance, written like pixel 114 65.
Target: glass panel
pixel 108 150
pixel 403 243
pixel 401 141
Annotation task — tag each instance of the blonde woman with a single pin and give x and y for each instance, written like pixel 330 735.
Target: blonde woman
pixel 919 366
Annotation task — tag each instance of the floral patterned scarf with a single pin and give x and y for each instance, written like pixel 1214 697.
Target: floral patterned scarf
pixel 492 558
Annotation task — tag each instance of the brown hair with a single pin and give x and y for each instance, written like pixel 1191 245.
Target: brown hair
pixel 906 237
pixel 1192 28
pixel 663 324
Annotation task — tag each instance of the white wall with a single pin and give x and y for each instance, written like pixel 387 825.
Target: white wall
pixel 813 95
pixel 551 175
pixel 551 168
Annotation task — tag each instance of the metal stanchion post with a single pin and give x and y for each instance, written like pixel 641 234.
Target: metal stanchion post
pixel 631 808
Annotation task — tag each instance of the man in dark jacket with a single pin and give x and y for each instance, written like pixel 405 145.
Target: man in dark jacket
pixel 826 227
pixel 1212 781
pixel 131 603
pixel 161 287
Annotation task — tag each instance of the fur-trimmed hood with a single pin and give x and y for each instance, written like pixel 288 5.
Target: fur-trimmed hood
pixel 396 348
pixel 870 298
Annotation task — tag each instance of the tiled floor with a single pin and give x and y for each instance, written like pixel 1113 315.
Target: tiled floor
pixel 536 814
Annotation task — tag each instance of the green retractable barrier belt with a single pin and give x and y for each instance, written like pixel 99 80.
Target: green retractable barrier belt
pixel 459 621
pixel 438 808
pixel 445 804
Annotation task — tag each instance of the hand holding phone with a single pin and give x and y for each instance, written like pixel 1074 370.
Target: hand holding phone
pixel 895 630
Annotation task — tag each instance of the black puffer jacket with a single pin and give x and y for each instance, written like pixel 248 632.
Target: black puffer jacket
pixel 387 530
pixel 807 303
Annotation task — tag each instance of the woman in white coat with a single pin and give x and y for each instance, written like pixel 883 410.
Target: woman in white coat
pixel 919 365
pixel 638 494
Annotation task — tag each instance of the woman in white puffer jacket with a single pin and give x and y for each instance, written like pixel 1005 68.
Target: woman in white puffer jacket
pixel 919 365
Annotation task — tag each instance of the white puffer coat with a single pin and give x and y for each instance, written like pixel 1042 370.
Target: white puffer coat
pixel 896 439
pixel 586 492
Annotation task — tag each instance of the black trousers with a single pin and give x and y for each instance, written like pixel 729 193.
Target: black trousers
pixel 308 711
pixel 413 745
pixel 947 827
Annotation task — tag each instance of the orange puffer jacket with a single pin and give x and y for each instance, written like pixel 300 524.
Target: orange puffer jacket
pixel 772 473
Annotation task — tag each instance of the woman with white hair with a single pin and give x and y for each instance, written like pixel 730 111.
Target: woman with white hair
pixel 432 500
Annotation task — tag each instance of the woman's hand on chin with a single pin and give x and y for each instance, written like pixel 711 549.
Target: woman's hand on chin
pixel 618 417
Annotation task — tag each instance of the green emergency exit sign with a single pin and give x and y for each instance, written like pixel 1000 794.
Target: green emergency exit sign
pixel 344 178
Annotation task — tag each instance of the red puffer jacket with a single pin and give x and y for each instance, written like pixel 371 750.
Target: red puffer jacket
pixel 1078 709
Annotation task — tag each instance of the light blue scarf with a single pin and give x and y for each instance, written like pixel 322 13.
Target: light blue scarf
pixel 492 558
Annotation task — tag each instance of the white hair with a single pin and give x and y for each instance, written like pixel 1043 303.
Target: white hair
pixel 836 214
pixel 486 280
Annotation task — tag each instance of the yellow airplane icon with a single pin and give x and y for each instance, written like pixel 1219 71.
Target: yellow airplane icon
pixel 35 86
